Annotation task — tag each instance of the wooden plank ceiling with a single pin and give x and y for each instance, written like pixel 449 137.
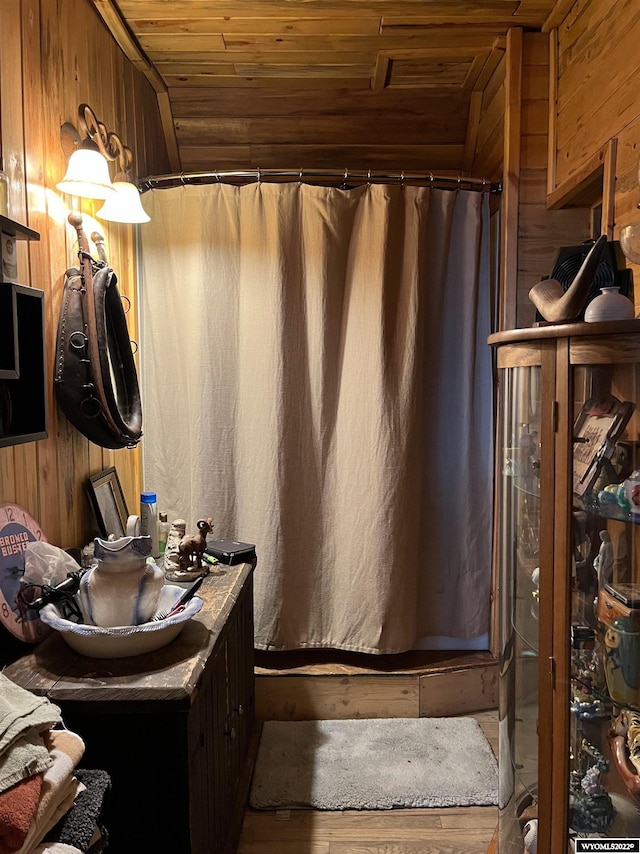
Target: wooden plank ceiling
pixel 288 84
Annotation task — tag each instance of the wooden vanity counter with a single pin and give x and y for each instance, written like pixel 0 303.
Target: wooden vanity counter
pixel 174 728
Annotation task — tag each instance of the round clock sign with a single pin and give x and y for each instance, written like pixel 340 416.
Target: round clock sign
pixel 17 529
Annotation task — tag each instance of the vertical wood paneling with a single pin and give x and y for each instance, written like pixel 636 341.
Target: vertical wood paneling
pixel 540 232
pixel 511 180
pixel 10 85
pixel 597 98
pixel 55 55
pixel 35 162
pixel 598 104
pixel 487 161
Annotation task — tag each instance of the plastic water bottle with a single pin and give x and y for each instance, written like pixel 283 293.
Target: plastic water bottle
pixel 149 520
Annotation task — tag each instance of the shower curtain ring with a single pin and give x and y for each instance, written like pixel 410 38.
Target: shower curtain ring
pixel 300 176
pixel 182 181
pixel 217 174
pixel 368 177
pixel 402 178
pixel 431 179
pixel 259 175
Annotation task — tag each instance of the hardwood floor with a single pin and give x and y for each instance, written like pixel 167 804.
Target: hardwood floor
pixel 453 830
pixel 466 830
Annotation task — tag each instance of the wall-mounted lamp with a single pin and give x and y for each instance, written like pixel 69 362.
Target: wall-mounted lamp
pixel 124 204
pixel 630 242
pixel 88 170
pixel 630 238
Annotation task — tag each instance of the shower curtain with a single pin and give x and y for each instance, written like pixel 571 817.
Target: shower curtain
pixel 316 378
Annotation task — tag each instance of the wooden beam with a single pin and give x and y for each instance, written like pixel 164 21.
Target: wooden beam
pixel 557 15
pixel 493 60
pixel 319 130
pixel 445 158
pixel 552 136
pixel 473 123
pixel 511 181
pixel 609 188
pixel 272 101
pixel 364 24
pixel 171 141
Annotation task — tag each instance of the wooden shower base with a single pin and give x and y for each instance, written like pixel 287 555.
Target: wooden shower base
pixel 323 684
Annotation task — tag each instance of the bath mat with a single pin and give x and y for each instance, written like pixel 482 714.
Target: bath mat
pixel 374 764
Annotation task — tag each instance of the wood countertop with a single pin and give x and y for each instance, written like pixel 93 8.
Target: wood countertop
pixel 171 673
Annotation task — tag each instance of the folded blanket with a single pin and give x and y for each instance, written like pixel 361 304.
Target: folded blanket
pixel 23 716
pixel 27 755
pixel 18 807
pixel 59 787
pixel 77 827
pixel 56 848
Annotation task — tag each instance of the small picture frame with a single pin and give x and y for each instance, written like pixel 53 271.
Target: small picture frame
pixel 108 503
pixel 595 433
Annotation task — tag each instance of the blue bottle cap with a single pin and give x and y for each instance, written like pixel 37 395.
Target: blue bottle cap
pixel 148 497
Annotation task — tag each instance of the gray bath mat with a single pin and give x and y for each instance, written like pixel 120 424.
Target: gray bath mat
pixel 374 764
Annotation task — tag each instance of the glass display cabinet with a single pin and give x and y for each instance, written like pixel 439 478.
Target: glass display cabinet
pixel 568 553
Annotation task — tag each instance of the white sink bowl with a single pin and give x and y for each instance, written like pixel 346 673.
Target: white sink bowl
pixel 124 641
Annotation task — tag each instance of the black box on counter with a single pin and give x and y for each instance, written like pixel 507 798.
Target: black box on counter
pixel 231 552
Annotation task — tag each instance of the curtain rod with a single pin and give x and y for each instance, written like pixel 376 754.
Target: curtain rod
pixel 344 176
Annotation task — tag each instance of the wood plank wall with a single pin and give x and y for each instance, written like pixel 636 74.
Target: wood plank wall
pixel 541 232
pixel 598 100
pixel 489 149
pixel 54 56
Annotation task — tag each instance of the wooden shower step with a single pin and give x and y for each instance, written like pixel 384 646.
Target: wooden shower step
pixel 329 684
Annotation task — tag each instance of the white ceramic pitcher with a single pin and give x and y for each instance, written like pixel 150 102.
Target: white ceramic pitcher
pixel 122 589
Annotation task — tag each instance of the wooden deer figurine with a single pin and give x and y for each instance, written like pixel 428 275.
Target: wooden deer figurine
pixel 193 546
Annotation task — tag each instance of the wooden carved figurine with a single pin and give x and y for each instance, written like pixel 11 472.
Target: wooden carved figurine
pixel 191 548
pixel 557 305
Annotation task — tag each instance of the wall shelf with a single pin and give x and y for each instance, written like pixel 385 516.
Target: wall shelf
pixel 23 363
pixel 17 230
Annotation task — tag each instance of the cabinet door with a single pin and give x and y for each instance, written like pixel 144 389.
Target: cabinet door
pixel 220 729
pixel 209 758
pixel 600 646
pixel 240 668
pixel 521 454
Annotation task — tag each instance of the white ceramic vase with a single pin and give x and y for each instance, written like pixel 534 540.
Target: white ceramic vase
pixel 610 304
pixel 122 589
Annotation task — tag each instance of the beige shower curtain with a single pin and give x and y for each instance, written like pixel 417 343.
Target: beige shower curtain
pixel 316 378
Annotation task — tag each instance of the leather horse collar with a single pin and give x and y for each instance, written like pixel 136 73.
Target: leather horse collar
pixel 95 378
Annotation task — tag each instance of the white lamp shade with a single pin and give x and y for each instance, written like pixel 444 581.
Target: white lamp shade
pixel 630 242
pixel 87 175
pixel 124 205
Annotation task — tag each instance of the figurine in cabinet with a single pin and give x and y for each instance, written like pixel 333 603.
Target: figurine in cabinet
pixel 590 805
pixel 530 836
pixel 622 660
pixel 603 562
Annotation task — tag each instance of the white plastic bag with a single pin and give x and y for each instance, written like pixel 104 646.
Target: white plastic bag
pixel 47 564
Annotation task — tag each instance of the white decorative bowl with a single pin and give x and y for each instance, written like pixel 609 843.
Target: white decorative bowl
pixel 125 641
